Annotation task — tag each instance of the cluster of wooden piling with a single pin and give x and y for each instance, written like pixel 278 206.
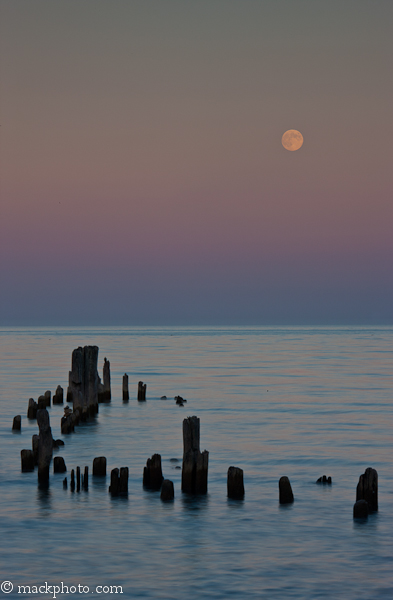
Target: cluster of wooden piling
pixel 85 391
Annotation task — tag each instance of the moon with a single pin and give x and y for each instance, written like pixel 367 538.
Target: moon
pixel 292 140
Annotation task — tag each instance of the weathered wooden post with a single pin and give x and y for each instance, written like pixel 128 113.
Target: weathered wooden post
pixel 58 396
pixel 72 483
pixel 86 478
pixel 83 381
pixel 32 409
pixel 367 489
pixel 285 491
pixel 360 509
pixel 141 391
pixel 59 465
pixel 27 460
pixel 126 394
pixel 195 463
pixel 167 490
pixel 106 372
pixel 115 482
pixel 78 479
pixel 17 423
pixel 45 445
pixel 47 397
pixel 152 473
pixel 235 483
pixel 123 481
pixel 99 466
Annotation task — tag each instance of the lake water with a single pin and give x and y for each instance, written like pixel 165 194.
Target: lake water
pixel 300 402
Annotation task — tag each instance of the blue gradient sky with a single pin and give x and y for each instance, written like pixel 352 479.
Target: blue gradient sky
pixel 143 179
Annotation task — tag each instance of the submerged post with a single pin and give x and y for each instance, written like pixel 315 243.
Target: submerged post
pixel 195 462
pixel 106 375
pixel 126 394
pixel 141 391
pixel 235 483
pixel 83 381
pixel 45 445
pixel 152 473
pixel 367 489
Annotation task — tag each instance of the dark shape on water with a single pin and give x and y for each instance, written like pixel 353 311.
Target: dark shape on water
pixel 86 478
pixel 27 460
pixel 65 483
pixel 32 409
pixel 58 443
pixel 58 396
pixel 99 466
pixel 42 402
pixel 72 484
pixel 325 480
pixel 167 490
pixel 119 482
pixel 141 391
pixel 126 393
pixel 163 398
pixel 285 491
pixel 360 510
pixel 195 462
pixel 83 381
pixel 235 483
pixel 17 423
pixel 78 479
pixel 45 445
pixel 59 465
pixel 152 473
pixel 367 489
pixel 106 375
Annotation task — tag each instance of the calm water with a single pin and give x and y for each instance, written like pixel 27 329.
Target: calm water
pixel 301 402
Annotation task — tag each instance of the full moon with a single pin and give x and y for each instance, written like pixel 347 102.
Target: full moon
pixel 292 140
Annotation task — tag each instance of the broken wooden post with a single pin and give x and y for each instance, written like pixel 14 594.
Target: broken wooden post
pixel 83 381
pixel 27 460
pixel 141 391
pixel 195 463
pixel 106 375
pixel 42 402
pixel 45 445
pixel 235 483
pixel 367 489
pixel 72 483
pixel 126 395
pixel 78 479
pixel 285 491
pixel 47 397
pixel 17 423
pixel 123 481
pixel 152 473
pixel 324 480
pixel 167 490
pixel 58 396
pixel 99 466
pixel 86 478
pixel 32 409
pixel 115 482
pixel 59 465
pixel 360 509
pixel 65 483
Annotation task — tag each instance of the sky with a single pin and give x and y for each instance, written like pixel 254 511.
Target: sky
pixel 142 176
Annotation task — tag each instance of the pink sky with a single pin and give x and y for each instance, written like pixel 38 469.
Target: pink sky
pixel 143 177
